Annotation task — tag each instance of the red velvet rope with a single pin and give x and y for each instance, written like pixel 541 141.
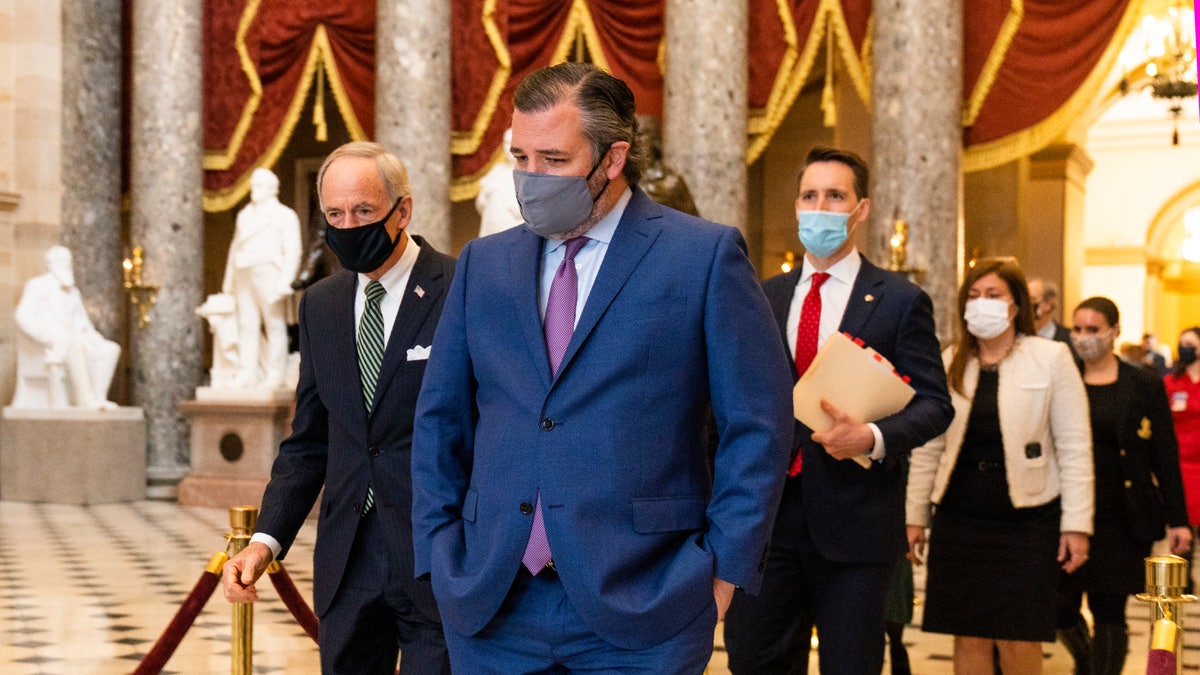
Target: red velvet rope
pixel 154 661
pixel 296 604
pixel 1160 662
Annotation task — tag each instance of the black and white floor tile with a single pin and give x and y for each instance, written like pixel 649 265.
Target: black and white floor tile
pixel 91 589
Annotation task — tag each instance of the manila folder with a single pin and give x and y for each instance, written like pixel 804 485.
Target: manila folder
pixel 856 380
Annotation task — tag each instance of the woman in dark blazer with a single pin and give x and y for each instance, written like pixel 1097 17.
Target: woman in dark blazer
pixel 1138 490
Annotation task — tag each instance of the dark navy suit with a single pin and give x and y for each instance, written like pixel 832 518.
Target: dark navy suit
pixel 841 527
pixel 337 445
pixel 616 442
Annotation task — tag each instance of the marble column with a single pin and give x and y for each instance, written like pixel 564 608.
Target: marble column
pixel 916 147
pixel 1051 214
pixel 412 105
pixel 167 220
pixel 704 104
pixel 91 156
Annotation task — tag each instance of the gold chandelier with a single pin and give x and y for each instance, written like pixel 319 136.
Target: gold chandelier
pixel 1160 56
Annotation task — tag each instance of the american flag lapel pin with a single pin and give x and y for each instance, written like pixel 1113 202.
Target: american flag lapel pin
pixel 419 291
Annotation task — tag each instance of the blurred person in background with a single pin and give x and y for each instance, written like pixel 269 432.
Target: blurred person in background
pixel 1183 396
pixel 1138 491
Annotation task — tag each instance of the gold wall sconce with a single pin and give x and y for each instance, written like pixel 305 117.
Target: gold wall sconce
pixel 789 262
pixel 898 249
pixel 141 295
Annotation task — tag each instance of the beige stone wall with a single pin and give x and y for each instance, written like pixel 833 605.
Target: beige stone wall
pixel 8 199
pixel 1142 181
pixel 30 155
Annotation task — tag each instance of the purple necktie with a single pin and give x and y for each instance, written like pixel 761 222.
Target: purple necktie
pixel 560 307
pixel 558 326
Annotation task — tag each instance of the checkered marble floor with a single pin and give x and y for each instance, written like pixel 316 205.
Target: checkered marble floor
pixel 90 589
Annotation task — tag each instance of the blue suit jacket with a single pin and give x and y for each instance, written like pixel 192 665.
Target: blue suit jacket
pixel 851 514
pixel 616 443
pixel 334 443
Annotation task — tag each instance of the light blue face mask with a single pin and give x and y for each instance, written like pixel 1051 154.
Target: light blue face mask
pixel 823 232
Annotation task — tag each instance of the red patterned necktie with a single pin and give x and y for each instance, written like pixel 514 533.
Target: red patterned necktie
pixel 806 338
pixel 558 327
pixel 810 324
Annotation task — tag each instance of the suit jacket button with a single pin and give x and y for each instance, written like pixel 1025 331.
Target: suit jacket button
pixel 373 451
pixel 547 424
pixel 526 508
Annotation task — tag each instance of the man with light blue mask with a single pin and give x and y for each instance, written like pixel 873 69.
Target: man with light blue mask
pixel 840 528
pixel 564 505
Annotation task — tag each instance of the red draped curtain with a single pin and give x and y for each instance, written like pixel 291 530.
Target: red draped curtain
pixel 262 57
pixel 1030 69
pixel 515 37
pixel 1049 68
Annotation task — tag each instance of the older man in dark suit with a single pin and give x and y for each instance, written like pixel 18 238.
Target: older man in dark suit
pixel 365 337
pixel 840 527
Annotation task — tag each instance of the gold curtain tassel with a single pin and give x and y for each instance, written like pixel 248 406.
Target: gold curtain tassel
pixel 828 103
pixel 319 104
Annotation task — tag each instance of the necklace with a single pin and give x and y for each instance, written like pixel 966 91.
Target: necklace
pixel 993 366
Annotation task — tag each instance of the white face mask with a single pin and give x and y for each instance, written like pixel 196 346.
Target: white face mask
pixel 987 317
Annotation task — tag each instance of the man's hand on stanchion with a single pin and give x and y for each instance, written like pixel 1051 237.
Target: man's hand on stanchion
pixel 239 574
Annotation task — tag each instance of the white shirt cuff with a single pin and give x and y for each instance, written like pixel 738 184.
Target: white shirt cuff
pixel 276 547
pixel 879 451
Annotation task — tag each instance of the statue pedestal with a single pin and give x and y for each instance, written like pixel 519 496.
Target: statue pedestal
pixel 233 446
pixel 73 456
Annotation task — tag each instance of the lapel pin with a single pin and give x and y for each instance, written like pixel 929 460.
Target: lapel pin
pixel 419 291
pixel 869 298
pixel 1144 432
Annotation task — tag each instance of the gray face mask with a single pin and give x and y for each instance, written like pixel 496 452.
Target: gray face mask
pixel 552 205
pixel 1092 347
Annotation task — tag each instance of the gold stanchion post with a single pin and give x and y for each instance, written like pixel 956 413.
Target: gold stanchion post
pixel 1166 579
pixel 242 520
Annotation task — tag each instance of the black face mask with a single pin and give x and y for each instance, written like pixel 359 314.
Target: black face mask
pixel 1187 355
pixel 364 248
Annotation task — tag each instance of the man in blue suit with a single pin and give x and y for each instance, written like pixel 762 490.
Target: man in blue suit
pixel 840 527
pixel 563 499
pixel 365 337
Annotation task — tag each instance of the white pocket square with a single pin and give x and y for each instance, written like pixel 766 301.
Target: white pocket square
pixel 419 353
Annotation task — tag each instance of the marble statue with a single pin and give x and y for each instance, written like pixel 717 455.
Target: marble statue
pixel 658 181
pixel 497 200
pixel 219 310
pixel 62 360
pixel 262 263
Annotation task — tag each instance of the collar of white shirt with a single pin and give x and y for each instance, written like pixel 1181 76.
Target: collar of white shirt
pixel 844 270
pixel 395 279
pixel 602 231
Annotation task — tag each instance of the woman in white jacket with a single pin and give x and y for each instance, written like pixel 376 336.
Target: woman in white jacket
pixel 1010 483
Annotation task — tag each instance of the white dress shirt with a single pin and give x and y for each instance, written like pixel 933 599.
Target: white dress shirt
pixel 394 281
pixel 587 260
pixel 1047 331
pixel 835 296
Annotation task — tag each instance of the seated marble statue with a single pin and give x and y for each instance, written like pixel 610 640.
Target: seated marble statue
pixel 259 271
pixel 497 200
pixel 62 360
pixel 658 181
